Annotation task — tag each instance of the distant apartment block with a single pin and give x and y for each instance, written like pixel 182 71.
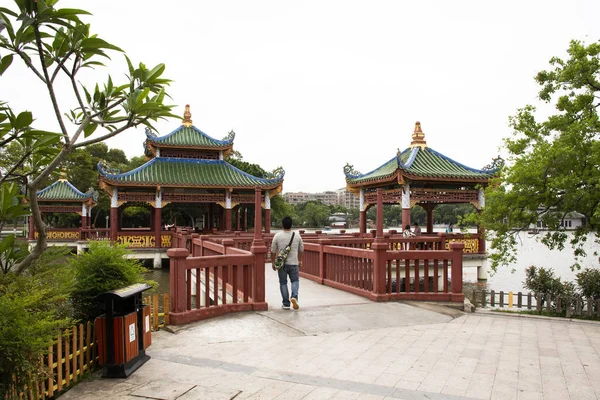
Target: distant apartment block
pixel 339 197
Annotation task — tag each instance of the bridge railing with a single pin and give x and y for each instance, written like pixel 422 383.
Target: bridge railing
pixel 381 274
pixel 217 278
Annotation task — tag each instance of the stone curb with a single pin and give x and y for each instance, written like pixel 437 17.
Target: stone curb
pixel 514 314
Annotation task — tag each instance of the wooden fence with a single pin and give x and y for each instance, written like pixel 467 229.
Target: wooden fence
pixel 159 313
pixel 569 306
pixel 74 353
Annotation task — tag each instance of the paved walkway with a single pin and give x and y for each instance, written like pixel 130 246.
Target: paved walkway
pixel 354 349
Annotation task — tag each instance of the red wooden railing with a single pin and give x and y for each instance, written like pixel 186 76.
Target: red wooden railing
pixel 217 279
pixel 381 274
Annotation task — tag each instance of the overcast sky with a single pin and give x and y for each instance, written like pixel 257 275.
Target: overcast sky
pixel 312 85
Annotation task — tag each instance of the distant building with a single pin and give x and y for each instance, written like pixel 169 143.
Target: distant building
pixel 339 197
pixel 347 199
pixel 572 220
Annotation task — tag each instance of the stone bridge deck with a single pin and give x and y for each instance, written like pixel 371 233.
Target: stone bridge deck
pixel 341 346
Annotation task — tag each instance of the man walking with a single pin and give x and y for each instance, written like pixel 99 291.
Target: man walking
pixel 292 264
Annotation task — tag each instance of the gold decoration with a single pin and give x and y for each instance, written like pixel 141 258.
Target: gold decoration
pixel 187 117
pixel 136 240
pixel 418 137
pixel 165 240
pixel 471 245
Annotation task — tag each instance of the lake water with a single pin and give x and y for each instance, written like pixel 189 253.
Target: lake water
pixel 531 252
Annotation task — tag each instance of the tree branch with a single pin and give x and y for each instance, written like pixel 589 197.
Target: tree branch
pixel 109 135
pixel 61 65
pixel 41 244
pixel 15 166
pixel 49 85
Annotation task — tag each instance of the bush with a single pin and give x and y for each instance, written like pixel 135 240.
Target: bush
pixel 589 283
pixel 542 281
pixel 104 267
pixel 33 308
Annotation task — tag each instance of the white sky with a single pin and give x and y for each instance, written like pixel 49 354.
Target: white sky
pixel 312 85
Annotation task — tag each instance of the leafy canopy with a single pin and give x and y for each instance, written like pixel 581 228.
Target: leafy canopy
pixel 553 168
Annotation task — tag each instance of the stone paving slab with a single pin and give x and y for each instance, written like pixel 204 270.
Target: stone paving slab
pixel 340 346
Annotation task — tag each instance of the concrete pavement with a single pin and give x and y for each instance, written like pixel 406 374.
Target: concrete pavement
pixel 340 346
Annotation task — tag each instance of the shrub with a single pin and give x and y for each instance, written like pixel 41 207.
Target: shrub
pixel 589 283
pixel 33 308
pixel 104 267
pixel 542 281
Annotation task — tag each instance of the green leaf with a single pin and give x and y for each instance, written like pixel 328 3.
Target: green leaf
pixel 88 130
pixel 23 120
pixel 97 43
pixel 5 63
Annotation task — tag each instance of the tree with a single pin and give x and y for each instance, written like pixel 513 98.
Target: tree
pixel 56 45
pixel 553 164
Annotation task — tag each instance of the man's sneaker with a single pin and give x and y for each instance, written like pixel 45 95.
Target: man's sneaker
pixel 285 307
pixel 295 304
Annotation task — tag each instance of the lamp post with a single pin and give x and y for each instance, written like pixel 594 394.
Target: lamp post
pixel 107 218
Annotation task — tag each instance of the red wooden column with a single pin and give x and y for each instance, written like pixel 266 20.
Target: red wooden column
pixel 380 247
pixel 157 226
pixel 481 233
pixel 228 219
pixel 31 228
pixel 259 249
pixel 363 221
pixel 114 215
pixel 114 223
pixel 429 209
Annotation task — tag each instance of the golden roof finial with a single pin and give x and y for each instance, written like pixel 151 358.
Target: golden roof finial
pixel 418 137
pixel 63 173
pixel 187 116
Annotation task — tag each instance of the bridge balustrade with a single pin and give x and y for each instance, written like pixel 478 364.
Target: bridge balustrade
pixel 210 285
pixel 381 274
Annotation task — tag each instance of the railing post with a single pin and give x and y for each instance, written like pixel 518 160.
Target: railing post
pixel 227 243
pixel 380 247
pixel 323 259
pixel 457 271
pixel 178 284
pixel 442 243
pixel 192 247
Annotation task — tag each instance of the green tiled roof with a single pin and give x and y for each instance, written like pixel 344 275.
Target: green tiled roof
pixel 63 190
pixel 191 136
pixel 167 171
pixel 421 162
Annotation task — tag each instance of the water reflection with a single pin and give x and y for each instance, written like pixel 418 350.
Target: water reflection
pixel 161 276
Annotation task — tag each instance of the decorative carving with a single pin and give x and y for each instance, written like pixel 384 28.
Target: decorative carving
pixel 60 235
pixel 350 171
pixel 136 240
pixel 165 241
pixel 496 164
pixel 60 209
pixel 230 136
pixel 150 132
pixel 471 245
pixel 275 175
pixel 107 169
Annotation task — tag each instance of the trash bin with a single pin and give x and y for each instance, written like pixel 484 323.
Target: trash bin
pixel 123 332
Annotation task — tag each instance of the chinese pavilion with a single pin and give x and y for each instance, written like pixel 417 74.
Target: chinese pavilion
pixel 63 197
pixel 423 176
pixel 187 167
